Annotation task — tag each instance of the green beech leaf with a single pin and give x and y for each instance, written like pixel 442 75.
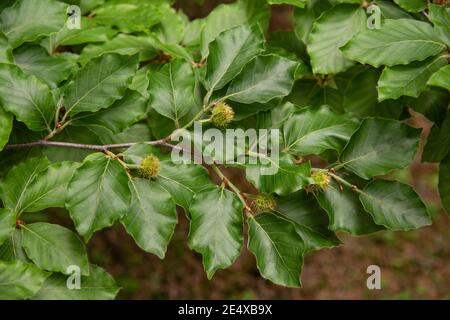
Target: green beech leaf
pixel 345 211
pixel 281 177
pixel 33 185
pixel 228 16
pixel 54 248
pixel 120 116
pixel 172 90
pixel 312 131
pixel 29 99
pixel 323 43
pixel 379 146
pixel 410 80
pixel 310 221
pixel 441 78
pixel 98 194
pixel 398 41
pixel 19 280
pixel 304 17
pixel 394 205
pixel 432 103
pixel 438 142
pixel 263 79
pixel 297 3
pixel 5 50
pixel 278 249
pixel 412 5
pixel 51 69
pixel 216 228
pixel 6 125
pixel 152 217
pixel 27 20
pixel 7 223
pixel 229 52
pixel 182 181
pixel 99 285
pixel 444 186
pixel 101 82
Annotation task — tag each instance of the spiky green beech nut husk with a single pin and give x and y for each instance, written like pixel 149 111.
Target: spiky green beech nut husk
pixel 321 181
pixel 264 202
pixel 149 167
pixel 222 114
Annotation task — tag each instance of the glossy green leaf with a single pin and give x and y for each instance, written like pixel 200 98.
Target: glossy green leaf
pixel 216 228
pixel 412 5
pixel 394 205
pixel 172 90
pixel 89 93
pixel 398 41
pixel 7 224
pixel 310 221
pixel 99 285
pixel 278 249
pixel 263 79
pixel 229 52
pixel 410 80
pixel 28 20
pixel 6 125
pixel 228 16
pixel 330 32
pixel 98 194
pixel 51 69
pixel 444 186
pixel 152 217
pixel 312 131
pixel 441 78
pixel 19 280
pixel 281 176
pixel 345 211
pixel 33 185
pixel 54 248
pixel 28 98
pixel 379 146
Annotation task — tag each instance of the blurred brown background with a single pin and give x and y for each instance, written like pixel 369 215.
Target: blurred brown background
pixel 413 264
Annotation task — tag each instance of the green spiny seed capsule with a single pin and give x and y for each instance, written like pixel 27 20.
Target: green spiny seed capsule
pixel 264 202
pixel 222 115
pixel 321 181
pixel 149 167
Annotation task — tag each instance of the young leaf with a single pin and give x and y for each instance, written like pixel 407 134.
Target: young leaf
pixel 398 41
pixel 98 194
pixel 345 211
pixel 410 80
pixel 263 79
pixel 99 285
pixel 6 124
pixel 310 221
pixel 172 90
pixel 313 131
pixel 444 186
pixel 7 224
pixel 29 99
pixel 27 20
pixel 379 146
pixel 229 52
pixel 152 217
pixel 441 78
pixel 331 31
pixel 101 82
pixel 277 247
pixel 27 280
pixel 216 228
pixel 289 177
pixel 54 248
pixel 412 5
pixel 394 205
